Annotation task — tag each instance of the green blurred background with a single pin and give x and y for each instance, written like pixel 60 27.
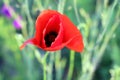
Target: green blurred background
pixel 99 22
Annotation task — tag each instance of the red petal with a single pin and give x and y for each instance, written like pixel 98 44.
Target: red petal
pixel 76 44
pixel 59 46
pixel 70 31
pixel 30 41
pixel 59 38
pixel 41 21
pixel 54 24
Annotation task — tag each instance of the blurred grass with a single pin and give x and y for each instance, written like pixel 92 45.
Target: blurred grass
pixel 93 17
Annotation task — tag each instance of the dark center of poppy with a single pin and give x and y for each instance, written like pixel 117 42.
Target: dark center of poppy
pixel 50 37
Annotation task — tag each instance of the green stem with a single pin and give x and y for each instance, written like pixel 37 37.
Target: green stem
pixel 102 49
pixel 71 67
pixel 100 37
pixel 45 66
pixel 61 6
pixel 39 4
pixel 30 21
pixel 43 62
pixel 44 71
pixel 51 63
pixel 76 11
pixel 97 59
pixel 58 66
pixel 46 3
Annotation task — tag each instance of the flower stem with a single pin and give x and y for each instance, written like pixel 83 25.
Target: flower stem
pixel 45 66
pixel 100 37
pixel 44 71
pixel 61 6
pixel 39 4
pixel 70 71
pixel 30 21
pixel 43 62
pixel 104 45
pixel 76 11
pixel 102 49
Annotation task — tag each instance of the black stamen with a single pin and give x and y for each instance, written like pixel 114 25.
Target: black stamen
pixel 49 38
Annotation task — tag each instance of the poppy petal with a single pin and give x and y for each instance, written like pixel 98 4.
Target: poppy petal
pixel 76 44
pixel 30 41
pixel 59 38
pixel 59 46
pixel 70 30
pixel 41 21
pixel 58 30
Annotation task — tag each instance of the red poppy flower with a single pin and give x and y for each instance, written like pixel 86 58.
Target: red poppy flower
pixel 55 31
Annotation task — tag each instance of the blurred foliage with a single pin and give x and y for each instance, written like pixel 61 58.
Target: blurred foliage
pixel 99 22
pixel 115 73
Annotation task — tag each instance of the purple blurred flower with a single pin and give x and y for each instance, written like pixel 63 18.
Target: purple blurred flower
pixel 18 23
pixel 7 11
